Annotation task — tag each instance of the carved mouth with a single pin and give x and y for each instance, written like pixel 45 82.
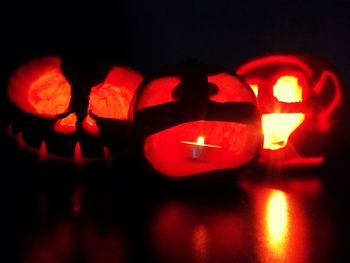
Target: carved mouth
pixel 277 128
pixel 43 155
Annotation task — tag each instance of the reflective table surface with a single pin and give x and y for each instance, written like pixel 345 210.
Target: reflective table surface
pixel 299 217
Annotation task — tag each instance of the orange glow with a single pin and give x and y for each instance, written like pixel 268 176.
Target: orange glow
pixel 287 89
pixel 277 127
pixel 277 220
pixel 157 92
pixel 66 125
pixel 112 98
pixel 90 126
pixel 50 94
pixel 230 89
pixel 298 98
pixel 110 101
pixel 175 151
pixel 271 60
pixel 255 89
pixel 316 160
pixel 39 87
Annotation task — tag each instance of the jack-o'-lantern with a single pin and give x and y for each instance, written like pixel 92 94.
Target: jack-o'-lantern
pixel 79 119
pixel 193 118
pixel 298 97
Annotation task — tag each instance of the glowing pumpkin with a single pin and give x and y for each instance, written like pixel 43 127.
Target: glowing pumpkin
pixel 298 97
pixel 194 118
pixel 69 119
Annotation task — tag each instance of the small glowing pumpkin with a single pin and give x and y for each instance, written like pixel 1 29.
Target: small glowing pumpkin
pixel 298 97
pixel 193 118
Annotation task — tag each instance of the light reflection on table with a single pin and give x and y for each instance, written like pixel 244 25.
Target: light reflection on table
pixel 288 221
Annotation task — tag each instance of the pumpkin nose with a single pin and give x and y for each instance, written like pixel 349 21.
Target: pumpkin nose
pixel 89 125
pixel 69 125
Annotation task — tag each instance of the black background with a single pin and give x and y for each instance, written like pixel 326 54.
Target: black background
pixel 149 34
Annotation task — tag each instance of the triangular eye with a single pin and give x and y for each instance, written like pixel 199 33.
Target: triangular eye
pixel 112 98
pixel 287 89
pixel 39 87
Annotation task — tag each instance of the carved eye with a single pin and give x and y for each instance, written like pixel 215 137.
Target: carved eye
pixel 230 89
pixel 158 91
pixel 112 98
pixel 39 87
pixel 288 89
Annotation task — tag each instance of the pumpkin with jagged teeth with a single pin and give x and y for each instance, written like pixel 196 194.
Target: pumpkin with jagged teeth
pixel 65 115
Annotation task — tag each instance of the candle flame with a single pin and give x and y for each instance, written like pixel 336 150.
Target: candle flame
pixel 200 140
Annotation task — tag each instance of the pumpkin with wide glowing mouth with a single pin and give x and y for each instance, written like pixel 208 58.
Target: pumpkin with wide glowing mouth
pixel 193 118
pixel 298 97
pixel 77 116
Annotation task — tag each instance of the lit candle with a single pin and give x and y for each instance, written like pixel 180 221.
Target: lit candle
pixel 199 148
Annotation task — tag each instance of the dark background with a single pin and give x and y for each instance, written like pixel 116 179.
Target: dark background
pixel 149 34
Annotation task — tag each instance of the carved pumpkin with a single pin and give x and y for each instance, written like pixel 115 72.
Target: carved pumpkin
pixel 194 118
pixel 298 97
pixel 70 117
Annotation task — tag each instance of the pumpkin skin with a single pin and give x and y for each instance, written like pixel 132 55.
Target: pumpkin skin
pixel 59 114
pixel 299 98
pixel 192 118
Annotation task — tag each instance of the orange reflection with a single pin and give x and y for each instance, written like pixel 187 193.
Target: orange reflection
pixel 276 221
pixel 281 228
pixel 200 242
pixel 54 245
pixel 183 232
